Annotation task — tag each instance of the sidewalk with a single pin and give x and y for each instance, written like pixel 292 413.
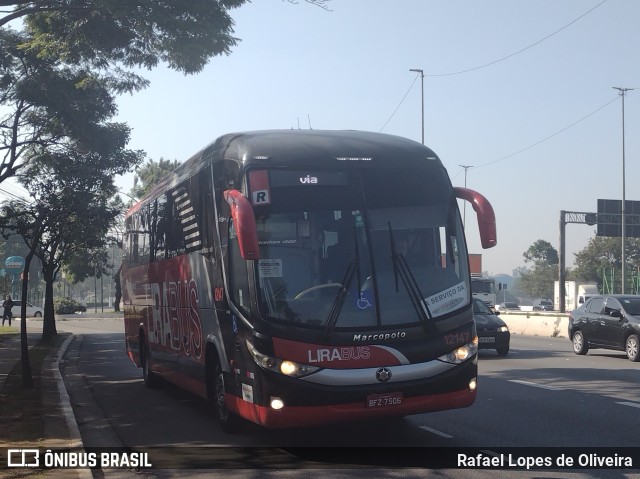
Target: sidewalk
pixel 60 429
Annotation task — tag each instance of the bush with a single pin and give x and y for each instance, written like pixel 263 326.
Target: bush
pixel 67 306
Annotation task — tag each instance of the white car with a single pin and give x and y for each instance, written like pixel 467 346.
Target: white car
pixel 32 311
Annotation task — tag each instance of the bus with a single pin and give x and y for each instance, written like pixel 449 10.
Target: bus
pixel 304 277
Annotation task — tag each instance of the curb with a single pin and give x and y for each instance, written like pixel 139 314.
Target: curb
pixel 75 440
pixel 65 402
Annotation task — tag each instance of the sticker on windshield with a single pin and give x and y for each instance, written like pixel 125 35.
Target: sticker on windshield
pixel 270 268
pixel 447 300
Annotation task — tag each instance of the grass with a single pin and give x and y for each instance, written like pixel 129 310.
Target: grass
pixel 8 330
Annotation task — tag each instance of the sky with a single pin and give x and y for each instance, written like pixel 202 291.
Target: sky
pixel 521 91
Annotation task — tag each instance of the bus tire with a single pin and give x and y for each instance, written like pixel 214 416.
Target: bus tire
pixel 228 421
pixel 151 379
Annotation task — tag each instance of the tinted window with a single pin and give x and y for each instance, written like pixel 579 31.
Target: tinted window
pixel 479 307
pixel 631 306
pixel 611 305
pixel 594 306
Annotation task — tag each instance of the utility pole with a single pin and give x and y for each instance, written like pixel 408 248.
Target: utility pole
pixel 422 81
pixel 622 93
pixel 464 207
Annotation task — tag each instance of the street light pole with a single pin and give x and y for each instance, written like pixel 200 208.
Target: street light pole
pixel 464 210
pixel 623 91
pixel 417 70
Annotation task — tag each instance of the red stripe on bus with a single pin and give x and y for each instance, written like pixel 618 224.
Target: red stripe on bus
pixel 295 416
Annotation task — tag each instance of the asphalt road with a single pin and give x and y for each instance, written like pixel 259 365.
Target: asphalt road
pixel 540 395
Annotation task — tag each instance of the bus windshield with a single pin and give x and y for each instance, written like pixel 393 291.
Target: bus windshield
pixel 358 249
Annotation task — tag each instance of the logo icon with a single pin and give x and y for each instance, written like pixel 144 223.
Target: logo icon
pixel 23 458
pixel 383 375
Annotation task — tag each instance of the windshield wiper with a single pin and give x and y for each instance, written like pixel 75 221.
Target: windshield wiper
pixel 354 266
pixel 401 268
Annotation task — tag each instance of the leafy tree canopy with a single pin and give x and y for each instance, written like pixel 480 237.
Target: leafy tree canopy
pixel 150 174
pixel 537 282
pixel 68 213
pixel 541 253
pixel 59 109
pixel 602 256
pixel 86 263
pixel 141 33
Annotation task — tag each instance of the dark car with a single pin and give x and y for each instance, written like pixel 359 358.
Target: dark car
pixel 607 322
pixel 493 332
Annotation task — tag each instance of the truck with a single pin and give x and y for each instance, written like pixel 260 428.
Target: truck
pixel 575 293
pixel 485 289
pixel 482 287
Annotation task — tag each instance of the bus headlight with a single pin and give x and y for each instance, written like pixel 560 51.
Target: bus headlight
pixel 461 354
pixel 282 366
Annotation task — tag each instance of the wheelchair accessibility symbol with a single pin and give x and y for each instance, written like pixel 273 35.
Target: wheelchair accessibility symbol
pixel 363 302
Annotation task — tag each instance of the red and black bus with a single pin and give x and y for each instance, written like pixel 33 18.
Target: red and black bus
pixel 298 277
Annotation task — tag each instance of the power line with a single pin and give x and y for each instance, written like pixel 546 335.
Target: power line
pixel 550 136
pixel 490 63
pixel 10 195
pixel 519 51
pixel 401 101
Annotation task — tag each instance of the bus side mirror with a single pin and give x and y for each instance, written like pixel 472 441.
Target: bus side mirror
pixel 486 216
pixel 244 222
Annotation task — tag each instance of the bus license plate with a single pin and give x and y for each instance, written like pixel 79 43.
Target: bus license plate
pixel 384 400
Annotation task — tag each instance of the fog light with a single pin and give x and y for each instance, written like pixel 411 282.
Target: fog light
pixel 473 384
pixel 276 403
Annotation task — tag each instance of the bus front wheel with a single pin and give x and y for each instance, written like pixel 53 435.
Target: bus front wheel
pixel 229 422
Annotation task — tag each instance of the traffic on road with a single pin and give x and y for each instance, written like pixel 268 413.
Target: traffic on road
pixel 540 395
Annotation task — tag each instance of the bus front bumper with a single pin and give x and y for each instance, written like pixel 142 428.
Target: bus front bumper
pixel 382 407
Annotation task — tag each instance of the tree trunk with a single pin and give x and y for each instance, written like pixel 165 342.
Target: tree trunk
pixel 118 296
pixel 49 318
pixel 27 377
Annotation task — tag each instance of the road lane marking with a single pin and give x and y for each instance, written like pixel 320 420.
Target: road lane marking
pixel 632 404
pixel 536 385
pixel 436 432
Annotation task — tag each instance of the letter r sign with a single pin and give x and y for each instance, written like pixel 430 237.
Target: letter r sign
pixel 261 197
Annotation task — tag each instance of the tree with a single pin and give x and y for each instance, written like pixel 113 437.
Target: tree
pixel 603 254
pixel 538 281
pixel 70 176
pixel 541 252
pixel 21 224
pixel 68 214
pixel 97 38
pixel 105 33
pixel 85 264
pixel 151 174
pixel 47 105
pixel 117 14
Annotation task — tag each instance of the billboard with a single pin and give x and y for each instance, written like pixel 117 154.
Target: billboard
pixel 610 218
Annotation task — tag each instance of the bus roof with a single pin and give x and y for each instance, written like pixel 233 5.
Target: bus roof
pixel 304 148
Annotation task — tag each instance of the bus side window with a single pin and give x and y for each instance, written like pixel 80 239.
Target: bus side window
pixel 238 278
pixel 161 226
